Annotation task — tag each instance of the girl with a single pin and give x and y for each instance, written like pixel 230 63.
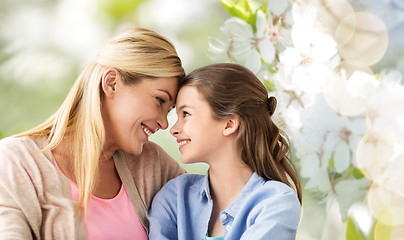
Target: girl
pixel 224 120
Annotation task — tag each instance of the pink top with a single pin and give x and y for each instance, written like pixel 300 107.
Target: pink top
pixel 113 218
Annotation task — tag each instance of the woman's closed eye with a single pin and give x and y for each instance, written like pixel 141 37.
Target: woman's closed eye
pixel 160 100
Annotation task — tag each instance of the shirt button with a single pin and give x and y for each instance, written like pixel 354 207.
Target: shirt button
pixel 228 227
pixel 224 216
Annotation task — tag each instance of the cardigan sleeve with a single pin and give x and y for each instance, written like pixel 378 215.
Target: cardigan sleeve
pixel 19 207
pixel 13 222
pixel 148 172
pixel 35 200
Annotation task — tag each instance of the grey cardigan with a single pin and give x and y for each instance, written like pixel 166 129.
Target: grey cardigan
pixel 35 199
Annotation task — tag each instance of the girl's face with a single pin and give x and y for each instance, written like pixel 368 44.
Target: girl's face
pixel 198 133
pixel 133 112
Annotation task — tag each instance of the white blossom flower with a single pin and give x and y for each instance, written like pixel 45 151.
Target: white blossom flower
pixel 248 48
pixel 277 7
pixel 386 205
pixel 336 123
pixel 351 97
pixel 312 42
pixel 325 135
pixel 307 66
pixel 386 106
pixel 302 82
pixel 279 21
pixel 376 151
pixel 311 46
pixel 219 50
pixel 349 191
pixel 381 157
pixel 309 145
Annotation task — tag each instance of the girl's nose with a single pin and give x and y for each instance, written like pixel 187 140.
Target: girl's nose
pixel 174 130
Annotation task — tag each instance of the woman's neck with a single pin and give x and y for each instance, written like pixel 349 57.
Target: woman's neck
pixel 107 179
pixel 64 155
pixel 107 152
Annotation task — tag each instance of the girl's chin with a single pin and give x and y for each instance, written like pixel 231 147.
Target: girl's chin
pixel 187 160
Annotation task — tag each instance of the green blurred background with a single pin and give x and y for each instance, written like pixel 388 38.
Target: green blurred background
pixel 46 43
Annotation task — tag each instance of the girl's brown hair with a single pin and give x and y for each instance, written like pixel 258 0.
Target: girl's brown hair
pixel 230 90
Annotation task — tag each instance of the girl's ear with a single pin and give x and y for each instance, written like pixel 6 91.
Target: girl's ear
pixel 232 125
pixel 109 82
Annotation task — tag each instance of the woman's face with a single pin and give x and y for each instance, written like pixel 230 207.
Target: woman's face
pixel 198 133
pixel 132 113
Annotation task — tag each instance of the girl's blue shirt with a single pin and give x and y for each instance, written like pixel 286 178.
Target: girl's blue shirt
pixel 263 210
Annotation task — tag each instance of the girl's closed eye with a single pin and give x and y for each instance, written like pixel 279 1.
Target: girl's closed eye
pixel 185 114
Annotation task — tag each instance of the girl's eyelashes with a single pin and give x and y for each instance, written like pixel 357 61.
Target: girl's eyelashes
pixel 185 114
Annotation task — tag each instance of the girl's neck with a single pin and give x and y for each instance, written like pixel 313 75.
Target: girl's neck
pixel 225 185
pixel 226 180
pixel 228 174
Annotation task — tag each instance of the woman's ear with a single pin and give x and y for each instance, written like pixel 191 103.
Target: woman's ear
pixel 109 81
pixel 232 125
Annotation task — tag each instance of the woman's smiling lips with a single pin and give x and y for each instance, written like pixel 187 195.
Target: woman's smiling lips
pixel 147 131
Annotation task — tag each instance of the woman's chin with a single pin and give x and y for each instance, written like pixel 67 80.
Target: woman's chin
pixel 135 150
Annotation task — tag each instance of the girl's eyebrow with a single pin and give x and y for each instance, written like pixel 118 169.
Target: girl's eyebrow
pixel 168 93
pixel 183 106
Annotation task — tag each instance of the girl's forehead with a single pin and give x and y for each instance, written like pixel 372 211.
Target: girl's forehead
pixel 190 96
pixel 189 93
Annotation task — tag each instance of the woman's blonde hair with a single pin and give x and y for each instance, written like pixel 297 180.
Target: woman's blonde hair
pixel 135 54
pixel 233 90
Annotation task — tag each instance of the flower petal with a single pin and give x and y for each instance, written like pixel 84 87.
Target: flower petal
pixel 342 158
pixel 349 191
pixel 267 50
pixel 277 7
pixel 261 23
pixel 290 57
pixel 238 28
pixel 253 61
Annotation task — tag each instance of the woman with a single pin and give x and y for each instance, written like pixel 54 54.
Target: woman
pixel 89 170
pixel 224 120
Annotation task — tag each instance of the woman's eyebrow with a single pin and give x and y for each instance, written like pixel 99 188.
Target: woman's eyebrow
pixel 168 93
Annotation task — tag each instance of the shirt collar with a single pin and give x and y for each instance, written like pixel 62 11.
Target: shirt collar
pixel 205 190
pixel 254 182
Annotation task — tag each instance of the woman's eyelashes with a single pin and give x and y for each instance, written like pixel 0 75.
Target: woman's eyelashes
pixel 160 100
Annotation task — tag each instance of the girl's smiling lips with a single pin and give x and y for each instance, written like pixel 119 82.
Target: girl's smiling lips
pixel 182 142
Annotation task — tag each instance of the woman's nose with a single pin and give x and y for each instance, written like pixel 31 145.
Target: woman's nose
pixel 163 121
